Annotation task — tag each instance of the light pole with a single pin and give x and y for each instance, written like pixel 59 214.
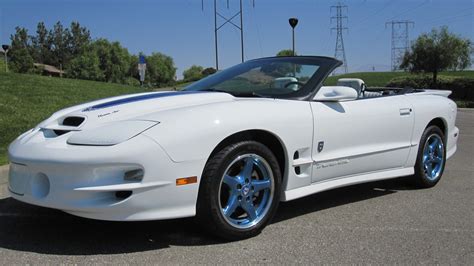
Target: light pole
pixel 5 48
pixel 293 22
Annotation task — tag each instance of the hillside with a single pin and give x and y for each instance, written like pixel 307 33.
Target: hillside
pixel 2 63
pixel 26 100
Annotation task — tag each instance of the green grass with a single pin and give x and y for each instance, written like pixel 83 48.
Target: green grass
pixel 2 63
pixel 26 100
pixel 380 79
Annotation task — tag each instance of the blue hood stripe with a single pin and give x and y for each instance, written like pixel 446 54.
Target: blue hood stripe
pixel 138 99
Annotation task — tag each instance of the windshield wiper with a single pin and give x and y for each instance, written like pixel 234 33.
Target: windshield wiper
pixel 215 90
pixel 250 94
pixel 237 94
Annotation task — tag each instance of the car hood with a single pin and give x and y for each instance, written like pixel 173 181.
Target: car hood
pixel 128 107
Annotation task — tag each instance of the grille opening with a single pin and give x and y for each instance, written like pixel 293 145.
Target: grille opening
pixel 296 155
pixel 297 170
pixel 73 121
pixel 123 194
pixel 60 132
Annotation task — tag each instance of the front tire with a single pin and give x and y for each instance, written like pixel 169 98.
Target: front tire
pixel 431 158
pixel 240 190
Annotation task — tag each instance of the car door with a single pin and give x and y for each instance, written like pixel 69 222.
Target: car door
pixel 360 136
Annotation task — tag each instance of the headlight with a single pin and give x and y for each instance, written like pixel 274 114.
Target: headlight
pixel 111 134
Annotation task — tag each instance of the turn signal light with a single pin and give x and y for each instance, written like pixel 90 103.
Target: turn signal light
pixel 186 180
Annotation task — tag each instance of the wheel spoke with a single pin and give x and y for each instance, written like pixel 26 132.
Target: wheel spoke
pixel 437 159
pixel 261 185
pixel 248 168
pixel 426 158
pixel 434 144
pixel 249 209
pixel 429 169
pixel 232 204
pixel 231 181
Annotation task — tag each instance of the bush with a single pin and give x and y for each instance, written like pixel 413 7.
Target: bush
pixel 193 73
pixel 131 81
pixel 416 82
pixel 462 88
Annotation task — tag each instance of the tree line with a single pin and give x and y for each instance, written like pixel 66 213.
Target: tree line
pixel 74 51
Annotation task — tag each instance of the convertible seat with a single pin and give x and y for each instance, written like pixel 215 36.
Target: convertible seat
pixel 372 94
pixel 356 84
pixel 359 86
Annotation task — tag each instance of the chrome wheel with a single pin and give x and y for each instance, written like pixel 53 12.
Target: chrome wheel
pixel 246 191
pixel 433 157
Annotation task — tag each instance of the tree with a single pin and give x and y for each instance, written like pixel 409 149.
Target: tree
pixel 85 66
pixel 79 39
pixel 41 45
pixel 285 52
pixel 437 51
pixel 193 73
pixel 60 48
pixel 160 69
pixel 208 71
pixel 114 60
pixel 19 54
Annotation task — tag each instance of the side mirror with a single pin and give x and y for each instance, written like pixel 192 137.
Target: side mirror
pixel 335 94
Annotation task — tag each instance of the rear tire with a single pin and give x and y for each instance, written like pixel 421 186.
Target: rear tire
pixel 240 190
pixel 431 158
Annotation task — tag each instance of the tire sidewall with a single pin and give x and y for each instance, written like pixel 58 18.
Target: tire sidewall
pixel 227 155
pixel 420 176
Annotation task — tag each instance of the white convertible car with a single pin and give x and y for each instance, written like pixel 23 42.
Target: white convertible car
pixel 230 147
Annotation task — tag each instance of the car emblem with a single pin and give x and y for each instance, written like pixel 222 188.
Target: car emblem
pixel 320 146
pixel 245 190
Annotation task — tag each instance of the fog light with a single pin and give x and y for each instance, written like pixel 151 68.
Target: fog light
pixel 123 194
pixel 40 186
pixel 134 175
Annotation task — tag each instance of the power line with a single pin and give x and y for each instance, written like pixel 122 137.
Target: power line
pixel 227 21
pixel 451 16
pixel 255 22
pixel 340 17
pixel 368 17
pixel 400 40
pixel 409 10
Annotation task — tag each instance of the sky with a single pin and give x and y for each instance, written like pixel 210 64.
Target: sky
pixel 181 29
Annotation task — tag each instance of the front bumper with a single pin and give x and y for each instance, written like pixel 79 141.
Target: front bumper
pixel 84 180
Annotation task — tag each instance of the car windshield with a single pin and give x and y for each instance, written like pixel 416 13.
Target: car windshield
pixel 270 77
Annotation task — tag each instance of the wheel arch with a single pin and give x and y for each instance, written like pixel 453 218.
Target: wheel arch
pixel 269 139
pixel 441 123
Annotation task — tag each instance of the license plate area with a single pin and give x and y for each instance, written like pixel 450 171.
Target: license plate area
pixel 18 177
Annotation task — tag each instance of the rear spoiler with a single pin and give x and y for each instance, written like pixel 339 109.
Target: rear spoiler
pixel 444 93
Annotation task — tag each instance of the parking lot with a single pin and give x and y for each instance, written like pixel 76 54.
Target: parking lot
pixel 382 222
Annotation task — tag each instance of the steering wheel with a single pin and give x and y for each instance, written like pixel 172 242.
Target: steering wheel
pixel 292 83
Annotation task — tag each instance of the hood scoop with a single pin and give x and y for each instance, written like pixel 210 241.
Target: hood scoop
pixel 73 121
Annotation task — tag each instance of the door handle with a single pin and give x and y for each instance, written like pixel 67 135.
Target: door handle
pixel 405 111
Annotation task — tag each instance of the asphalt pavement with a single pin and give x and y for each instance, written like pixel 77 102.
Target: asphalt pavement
pixel 381 222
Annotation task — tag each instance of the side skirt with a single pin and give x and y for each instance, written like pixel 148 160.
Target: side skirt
pixel 345 181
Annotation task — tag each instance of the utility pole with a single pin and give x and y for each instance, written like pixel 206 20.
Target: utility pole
pixel 227 20
pixel 400 40
pixel 340 18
